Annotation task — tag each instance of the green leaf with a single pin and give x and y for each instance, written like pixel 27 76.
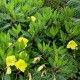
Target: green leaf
pixel 60 77
pixel 2 55
pixel 39 46
pixel 15 31
pixel 7 77
pixel 64 36
pixel 51 61
pixel 55 14
pixel 53 31
pixel 18 28
pixel 21 77
pixel 5 26
pixel 56 57
pixel 60 50
pixel 54 47
pixel 44 46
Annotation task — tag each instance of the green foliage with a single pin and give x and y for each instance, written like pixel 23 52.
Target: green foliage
pixel 13 12
pixel 48 32
pixel 55 4
pixel 7 77
pixel 76 5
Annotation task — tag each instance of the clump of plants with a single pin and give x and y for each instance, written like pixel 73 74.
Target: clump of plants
pixel 38 42
pixel 55 4
pixel 76 5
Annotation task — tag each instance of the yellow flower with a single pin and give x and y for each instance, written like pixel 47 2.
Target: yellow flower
pixel 10 60
pixel 9 44
pixel 8 70
pixel 24 40
pixel 21 65
pixel 72 44
pixel 33 18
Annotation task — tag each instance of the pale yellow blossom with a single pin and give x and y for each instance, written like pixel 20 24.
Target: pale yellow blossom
pixel 21 65
pixel 33 18
pixel 72 44
pixel 10 60
pixel 25 41
pixel 9 44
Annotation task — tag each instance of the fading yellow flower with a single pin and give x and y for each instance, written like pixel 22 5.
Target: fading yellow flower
pixel 24 40
pixel 72 44
pixel 40 67
pixel 10 60
pixel 8 70
pixel 36 59
pixel 33 18
pixel 30 76
pixel 21 65
pixel 43 73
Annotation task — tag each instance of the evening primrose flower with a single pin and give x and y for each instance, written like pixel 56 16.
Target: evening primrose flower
pixel 33 18
pixel 8 70
pixel 24 40
pixel 10 60
pixel 9 44
pixel 21 65
pixel 72 44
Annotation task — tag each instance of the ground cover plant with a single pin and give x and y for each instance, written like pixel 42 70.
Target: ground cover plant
pixel 56 4
pixel 38 42
pixel 76 5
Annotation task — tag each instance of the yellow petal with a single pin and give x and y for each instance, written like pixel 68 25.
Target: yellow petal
pixel 68 46
pixel 73 47
pixel 72 44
